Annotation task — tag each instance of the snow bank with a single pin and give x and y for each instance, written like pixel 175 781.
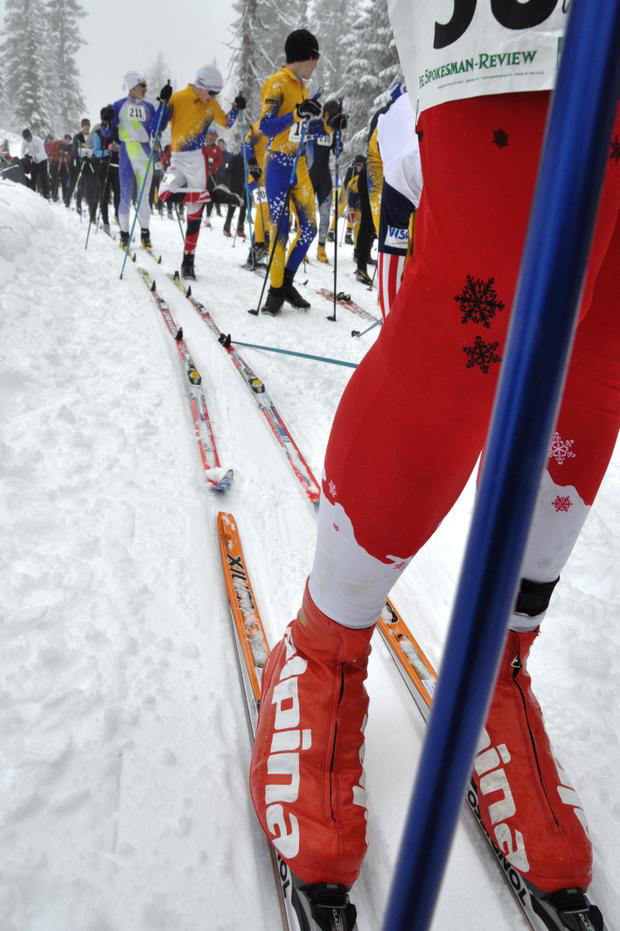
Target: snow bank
pixel 22 214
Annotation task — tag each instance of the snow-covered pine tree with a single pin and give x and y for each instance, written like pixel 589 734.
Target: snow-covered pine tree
pixel 327 18
pixel 157 75
pixel 25 63
pixel 65 40
pixel 259 31
pixel 371 66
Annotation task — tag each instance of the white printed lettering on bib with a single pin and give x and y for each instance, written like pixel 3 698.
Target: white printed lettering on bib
pixel 324 140
pixel 456 49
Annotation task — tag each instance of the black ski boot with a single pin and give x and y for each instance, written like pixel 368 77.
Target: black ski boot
pixel 291 293
pixel 275 299
pixel 363 277
pixel 348 238
pixel 124 240
pixel 187 266
pixel 260 254
pixel 145 238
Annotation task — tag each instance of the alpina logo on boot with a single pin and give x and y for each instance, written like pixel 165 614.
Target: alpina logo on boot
pixel 287 742
pixel 493 778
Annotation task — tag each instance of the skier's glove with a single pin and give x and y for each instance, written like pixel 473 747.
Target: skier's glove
pixel 338 121
pixel 308 108
pixel 240 102
pixel 254 169
pixel 166 92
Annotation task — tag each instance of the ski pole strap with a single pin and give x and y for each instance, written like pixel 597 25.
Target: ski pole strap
pixel 226 341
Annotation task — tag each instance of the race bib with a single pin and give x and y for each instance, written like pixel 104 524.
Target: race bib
pixel 136 111
pixel 260 195
pixel 295 133
pixel 324 140
pixel 455 49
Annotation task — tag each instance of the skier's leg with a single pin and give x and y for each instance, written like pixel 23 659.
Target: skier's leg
pixel 546 828
pixel 277 176
pixel 424 391
pixel 125 171
pixel 303 199
pixel 139 154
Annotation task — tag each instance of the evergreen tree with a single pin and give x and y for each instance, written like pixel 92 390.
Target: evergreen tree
pixel 158 75
pixel 259 32
pixel 371 65
pixel 25 64
pixel 326 20
pixel 65 40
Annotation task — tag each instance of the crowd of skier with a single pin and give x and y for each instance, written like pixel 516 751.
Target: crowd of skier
pixel 446 278
pixel 121 161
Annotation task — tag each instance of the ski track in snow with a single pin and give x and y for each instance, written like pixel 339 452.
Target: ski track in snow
pixel 123 740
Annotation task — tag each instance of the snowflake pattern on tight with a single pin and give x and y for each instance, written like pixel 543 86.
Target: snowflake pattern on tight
pixel 562 503
pixel 482 354
pixel 478 301
pixel 500 138
pixel 561 449
pixel 614 155
pixel 332 489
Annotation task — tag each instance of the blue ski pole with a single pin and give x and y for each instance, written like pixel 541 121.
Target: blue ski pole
pixel 162 110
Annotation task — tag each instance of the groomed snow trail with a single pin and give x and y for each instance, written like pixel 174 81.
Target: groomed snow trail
pixel 123 742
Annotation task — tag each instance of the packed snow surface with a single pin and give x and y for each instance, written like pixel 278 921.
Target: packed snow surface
pixel 123 740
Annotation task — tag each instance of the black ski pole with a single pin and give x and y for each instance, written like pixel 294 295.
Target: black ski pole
pixel 248 196
pixel 285 207
pixel 97 195
pixel 176 210
pixel 332 317
pixel 374 275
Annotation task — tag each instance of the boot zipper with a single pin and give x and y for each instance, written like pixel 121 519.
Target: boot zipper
pixel 516 668
pixel 331 765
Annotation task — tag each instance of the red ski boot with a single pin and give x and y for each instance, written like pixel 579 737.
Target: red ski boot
pixel 527 805
pixel 306 777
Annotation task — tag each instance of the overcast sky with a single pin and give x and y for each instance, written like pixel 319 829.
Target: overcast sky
pixel 128 34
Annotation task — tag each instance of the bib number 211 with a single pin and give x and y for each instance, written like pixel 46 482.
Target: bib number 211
pixel 512 14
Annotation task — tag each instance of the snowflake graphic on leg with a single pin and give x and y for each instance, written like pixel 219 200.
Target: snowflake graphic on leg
pixel 332 489
pixel 478 301
pixel 561 503
pixel 561 449
pixel 482 354
pixel 500 138
pixel 615 150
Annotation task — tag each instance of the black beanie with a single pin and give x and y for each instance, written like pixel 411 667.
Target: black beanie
pixel 301 45
pixel 107 114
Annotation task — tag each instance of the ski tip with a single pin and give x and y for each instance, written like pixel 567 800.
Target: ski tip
pixel 176 276
pixel 153 286
pixel 220 482
pixel 159 260
pixel 188 291
pixel 355 333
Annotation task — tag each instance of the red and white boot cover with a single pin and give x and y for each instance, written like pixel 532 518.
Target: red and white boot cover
pixel 527 805
pixel 306 776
